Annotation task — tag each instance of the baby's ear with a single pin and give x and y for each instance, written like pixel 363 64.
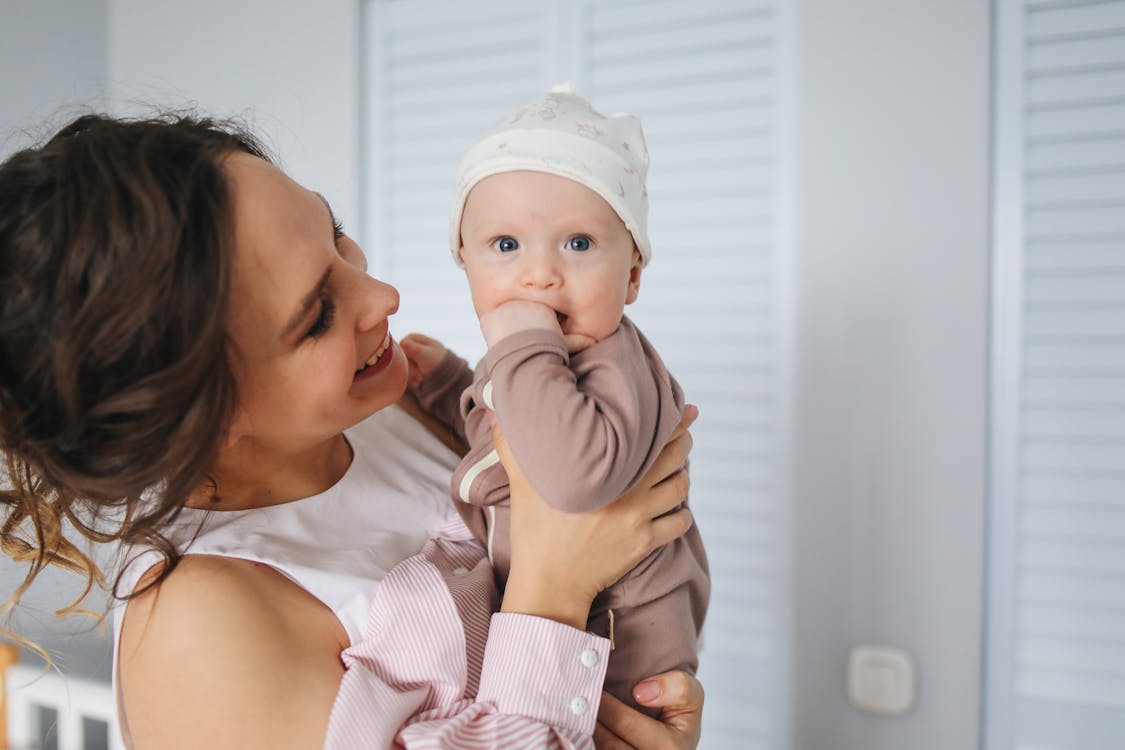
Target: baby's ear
pixel 634 287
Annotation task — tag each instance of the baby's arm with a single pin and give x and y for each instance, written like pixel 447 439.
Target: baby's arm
pixel 584 428
pixel 437 377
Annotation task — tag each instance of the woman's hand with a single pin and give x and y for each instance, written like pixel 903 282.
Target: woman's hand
pixel 680 698
pixel 560 561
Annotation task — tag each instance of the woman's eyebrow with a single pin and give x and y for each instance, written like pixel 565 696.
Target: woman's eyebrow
pixel 307 303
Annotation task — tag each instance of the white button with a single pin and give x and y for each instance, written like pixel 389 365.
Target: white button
pixel 589 657
pixel 460 571
pixel 578 706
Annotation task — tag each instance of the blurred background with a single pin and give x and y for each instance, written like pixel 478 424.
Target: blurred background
pixel 889 265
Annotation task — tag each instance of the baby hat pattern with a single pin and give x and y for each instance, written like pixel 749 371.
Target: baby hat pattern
pixel 561 134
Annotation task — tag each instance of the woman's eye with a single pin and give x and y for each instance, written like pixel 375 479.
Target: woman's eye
pixel 337 228
pixel 581 243
pixel 506 244
pixel 323 321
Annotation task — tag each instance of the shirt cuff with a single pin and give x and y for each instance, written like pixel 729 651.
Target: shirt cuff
pixel 544 670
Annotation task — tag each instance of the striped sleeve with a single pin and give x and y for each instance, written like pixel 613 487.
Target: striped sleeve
pixel 410 682
pixel 544 670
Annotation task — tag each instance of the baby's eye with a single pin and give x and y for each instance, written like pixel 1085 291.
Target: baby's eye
pixel 506 244
pixel 581 243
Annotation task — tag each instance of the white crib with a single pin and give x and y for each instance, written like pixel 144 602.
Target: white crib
pixel 47 710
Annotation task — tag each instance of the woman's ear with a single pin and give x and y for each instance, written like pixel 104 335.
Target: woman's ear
pixel 634 287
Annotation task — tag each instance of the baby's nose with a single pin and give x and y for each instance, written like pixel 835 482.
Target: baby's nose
pixel 541 273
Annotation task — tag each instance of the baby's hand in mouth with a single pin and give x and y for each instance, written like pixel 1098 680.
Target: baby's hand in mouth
pixel 518 315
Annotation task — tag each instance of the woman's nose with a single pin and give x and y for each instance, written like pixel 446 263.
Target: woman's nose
pixel 377 301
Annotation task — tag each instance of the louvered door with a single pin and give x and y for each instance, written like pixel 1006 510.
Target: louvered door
pixel 706 79
pixel 1056 634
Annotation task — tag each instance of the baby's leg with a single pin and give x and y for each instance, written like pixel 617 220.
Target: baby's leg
pixel 653 616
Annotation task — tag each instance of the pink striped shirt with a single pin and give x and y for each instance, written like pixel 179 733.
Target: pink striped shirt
pixel 436 668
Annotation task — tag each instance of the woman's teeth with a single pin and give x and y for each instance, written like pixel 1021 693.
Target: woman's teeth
pixel 379 352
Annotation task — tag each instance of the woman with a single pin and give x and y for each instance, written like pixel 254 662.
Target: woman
pixel 193 358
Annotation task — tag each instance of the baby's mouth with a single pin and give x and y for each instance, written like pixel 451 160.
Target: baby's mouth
pixel 562 317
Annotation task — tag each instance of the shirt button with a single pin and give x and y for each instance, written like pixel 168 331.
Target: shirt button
pixel 460 571
pixel 578 706
pixel 589 657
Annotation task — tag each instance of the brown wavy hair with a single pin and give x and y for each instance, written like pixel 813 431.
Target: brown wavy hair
pixel 116 387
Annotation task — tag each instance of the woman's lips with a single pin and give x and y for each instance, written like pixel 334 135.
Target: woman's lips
pixel 378 361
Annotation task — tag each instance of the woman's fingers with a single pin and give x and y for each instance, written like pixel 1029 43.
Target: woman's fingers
pixel 669 527
pixel 615 722
pixel 680 698
pixel 670 460
pixel 675 689
pixel 604 739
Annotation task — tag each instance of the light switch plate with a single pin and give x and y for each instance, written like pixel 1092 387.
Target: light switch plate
pixel 880 680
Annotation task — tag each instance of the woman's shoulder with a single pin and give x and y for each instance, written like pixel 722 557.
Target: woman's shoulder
pixel 215 593
pixel 221 632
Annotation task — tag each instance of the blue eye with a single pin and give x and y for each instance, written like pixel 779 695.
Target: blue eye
pixel 580 244
pixel 506 244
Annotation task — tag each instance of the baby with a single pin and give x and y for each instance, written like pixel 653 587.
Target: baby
pixel 549 223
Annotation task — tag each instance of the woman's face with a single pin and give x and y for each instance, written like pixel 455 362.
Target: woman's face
pixel 313 352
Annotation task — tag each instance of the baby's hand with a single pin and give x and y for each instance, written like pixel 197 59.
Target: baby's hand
pixel 576 342
pixel 424 355
pixel 517 315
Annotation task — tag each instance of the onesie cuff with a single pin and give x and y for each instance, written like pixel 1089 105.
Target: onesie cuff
pixel 544 670
pixel 449 371
pixel 538 339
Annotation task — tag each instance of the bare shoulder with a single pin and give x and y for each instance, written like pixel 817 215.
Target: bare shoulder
pixel 228 653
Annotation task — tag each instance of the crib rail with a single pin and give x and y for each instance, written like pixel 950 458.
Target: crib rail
pixel 81 713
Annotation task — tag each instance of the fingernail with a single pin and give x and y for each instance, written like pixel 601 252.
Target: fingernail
pixel 647 691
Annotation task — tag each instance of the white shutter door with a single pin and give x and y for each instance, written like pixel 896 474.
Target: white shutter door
pixel 706 79
pixel 1056 632
pixel 439 73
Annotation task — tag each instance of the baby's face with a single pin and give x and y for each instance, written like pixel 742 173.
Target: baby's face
pixel 542 238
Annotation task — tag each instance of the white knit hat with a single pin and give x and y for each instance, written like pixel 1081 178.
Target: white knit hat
pixel 562 135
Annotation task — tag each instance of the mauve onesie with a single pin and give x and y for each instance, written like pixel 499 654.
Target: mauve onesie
pixel 584 428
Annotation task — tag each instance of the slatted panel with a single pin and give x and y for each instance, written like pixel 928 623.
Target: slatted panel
pixel 704 76
pixel 439 74
pixel 1067 636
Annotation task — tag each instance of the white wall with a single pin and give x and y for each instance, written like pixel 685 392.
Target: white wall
pixel 892 261
pixel 289 67
pixel 52 64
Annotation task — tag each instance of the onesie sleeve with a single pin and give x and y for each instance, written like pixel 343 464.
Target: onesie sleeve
pixel 440 392
pixel 583 428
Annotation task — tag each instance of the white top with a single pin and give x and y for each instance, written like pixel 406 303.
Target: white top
pixel 339 544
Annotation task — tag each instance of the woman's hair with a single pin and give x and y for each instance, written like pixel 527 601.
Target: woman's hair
pixel 116 388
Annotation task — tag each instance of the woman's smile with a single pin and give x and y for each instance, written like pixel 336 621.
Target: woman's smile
pixel 378 361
